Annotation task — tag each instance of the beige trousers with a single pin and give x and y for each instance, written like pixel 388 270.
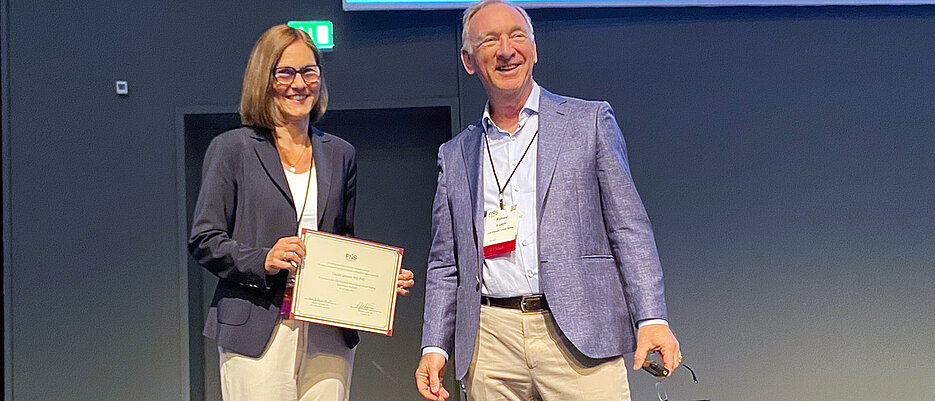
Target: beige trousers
pixel 525 357
pixel 303 362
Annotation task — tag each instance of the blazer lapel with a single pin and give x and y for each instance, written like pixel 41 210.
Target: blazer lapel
pixel 323 154
pixel 269 159
pixel 552 124
pixel 470 152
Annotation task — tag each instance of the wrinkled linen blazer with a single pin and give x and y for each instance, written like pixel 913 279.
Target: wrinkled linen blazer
pixel 598 264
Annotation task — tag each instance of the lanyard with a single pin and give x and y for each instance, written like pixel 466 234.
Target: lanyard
pixel 308 188
pixel 286 308
pixel 494 169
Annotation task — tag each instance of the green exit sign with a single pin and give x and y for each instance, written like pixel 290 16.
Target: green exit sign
pixel 321 32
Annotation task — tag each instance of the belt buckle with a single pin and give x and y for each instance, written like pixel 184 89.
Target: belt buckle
pixel 522 305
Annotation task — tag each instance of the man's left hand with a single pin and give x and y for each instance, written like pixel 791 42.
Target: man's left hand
pixel 657 337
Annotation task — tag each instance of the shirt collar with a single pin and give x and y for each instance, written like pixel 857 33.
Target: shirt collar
pixel 529 108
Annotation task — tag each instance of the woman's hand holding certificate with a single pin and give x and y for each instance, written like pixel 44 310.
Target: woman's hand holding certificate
pixel 404 280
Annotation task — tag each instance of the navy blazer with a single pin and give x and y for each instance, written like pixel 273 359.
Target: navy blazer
pixel 243 208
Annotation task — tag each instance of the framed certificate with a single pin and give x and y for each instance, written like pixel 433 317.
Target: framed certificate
pixel 346 282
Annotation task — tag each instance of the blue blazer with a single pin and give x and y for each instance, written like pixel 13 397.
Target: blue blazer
pixel 598 265
pixel 243 208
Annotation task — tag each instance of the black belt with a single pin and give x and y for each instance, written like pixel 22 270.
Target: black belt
pixel 525 303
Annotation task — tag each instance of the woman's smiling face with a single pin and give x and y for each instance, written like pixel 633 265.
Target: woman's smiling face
pixel 296 98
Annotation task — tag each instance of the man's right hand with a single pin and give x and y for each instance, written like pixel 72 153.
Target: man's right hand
pixel 429 377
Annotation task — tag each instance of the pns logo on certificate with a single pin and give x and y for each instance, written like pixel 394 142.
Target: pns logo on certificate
pixel 500 227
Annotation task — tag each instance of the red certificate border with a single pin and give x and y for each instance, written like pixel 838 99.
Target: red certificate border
pixel 386 329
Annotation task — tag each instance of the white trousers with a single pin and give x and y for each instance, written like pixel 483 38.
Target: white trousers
pixel 303 362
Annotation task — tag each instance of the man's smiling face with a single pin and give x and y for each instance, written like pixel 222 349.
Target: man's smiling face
pixel 503 50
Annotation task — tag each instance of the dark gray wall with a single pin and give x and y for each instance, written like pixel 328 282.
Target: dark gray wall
pixel 785 156
pixel 786 163
pixel 94 289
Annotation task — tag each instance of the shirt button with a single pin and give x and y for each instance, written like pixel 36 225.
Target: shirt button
pixel 512 138
pixel 525 243
pixel 530 274
pixel 515 189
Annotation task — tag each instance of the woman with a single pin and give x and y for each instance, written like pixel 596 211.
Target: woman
pixel 262 184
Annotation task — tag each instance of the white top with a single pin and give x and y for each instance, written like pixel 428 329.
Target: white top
pixel 297 185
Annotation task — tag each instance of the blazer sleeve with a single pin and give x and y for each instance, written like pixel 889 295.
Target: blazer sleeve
pixel 628 226
pixel 350 193
pixel 210 243
pixel 441 281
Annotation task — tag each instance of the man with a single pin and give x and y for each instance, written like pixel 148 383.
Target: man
pixel 543 262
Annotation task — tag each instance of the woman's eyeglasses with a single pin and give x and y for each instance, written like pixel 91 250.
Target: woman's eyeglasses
pixel 286 75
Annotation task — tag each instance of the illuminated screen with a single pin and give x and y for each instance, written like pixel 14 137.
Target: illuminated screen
pixel 351 5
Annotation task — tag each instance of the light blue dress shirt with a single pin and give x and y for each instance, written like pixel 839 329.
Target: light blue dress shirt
pixel 513 273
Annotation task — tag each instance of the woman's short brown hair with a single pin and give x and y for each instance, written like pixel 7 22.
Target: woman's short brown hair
pixel 256 99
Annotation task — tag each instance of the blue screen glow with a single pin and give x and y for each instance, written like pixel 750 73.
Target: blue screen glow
pixel 351 5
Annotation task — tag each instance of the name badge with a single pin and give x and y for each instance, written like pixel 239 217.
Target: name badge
pixel 500 227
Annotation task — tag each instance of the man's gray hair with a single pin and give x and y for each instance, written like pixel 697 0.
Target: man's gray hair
pixel 469 14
